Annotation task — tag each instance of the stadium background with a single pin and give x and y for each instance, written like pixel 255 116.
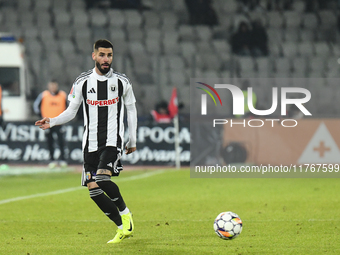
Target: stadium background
pixel 45 211
pixel 161 44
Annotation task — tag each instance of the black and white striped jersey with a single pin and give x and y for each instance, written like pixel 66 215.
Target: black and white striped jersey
pixel 103 97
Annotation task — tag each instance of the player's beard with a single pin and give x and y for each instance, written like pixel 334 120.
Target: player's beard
pixel 103 71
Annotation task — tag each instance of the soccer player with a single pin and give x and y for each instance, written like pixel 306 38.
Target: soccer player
pixel 103 93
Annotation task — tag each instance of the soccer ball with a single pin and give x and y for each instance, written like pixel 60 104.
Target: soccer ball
pixel 228 225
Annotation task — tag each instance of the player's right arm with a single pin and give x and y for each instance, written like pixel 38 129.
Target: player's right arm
pixel 43 123
pixel 75 98
pixel 62 118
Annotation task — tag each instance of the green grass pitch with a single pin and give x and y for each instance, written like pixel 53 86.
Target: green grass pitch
pixel 173 214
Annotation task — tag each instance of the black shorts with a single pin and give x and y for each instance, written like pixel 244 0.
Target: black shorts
pixel 107 158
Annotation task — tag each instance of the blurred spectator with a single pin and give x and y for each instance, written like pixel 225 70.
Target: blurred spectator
pixel 241 40
pixel 259 37
pixel 279 5
pixel 161 113
pixel 250 4
pixel 97 3
pixel 310 5
pixel 50 103
pixel 127 4
pixel 324 4
pixel 194 11
pixel 315 5
pixel 250 41
pixel 201 12
pixel 119 4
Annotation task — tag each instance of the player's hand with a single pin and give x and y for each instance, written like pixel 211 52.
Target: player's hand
pixel 43 124
pixel 129 150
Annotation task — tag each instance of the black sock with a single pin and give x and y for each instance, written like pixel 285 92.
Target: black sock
pixel 112 190
pixel 106 205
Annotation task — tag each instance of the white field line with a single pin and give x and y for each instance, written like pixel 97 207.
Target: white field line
pixel 61 191
pixel 5 201
pixel 31 170
pixel 161 221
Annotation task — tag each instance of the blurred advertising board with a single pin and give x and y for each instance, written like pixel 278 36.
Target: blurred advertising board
pixel 22 142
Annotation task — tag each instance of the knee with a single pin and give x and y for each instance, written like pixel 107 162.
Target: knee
pixel 101 179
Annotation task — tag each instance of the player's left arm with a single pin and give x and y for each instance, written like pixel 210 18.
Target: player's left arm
pixel 132 123
pixel 129 101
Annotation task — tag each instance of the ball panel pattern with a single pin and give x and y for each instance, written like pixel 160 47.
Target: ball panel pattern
pixel 228 225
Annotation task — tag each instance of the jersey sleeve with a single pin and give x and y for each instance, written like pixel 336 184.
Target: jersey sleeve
pixel 65 116
pixel 75 95
pixel 132 124
pixel 129 97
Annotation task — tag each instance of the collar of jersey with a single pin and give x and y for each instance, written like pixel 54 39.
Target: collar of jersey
pixel 102 77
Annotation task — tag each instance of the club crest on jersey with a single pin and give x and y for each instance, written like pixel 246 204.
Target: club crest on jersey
pixel 88 176
pixel 102 102
pixel 113 88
